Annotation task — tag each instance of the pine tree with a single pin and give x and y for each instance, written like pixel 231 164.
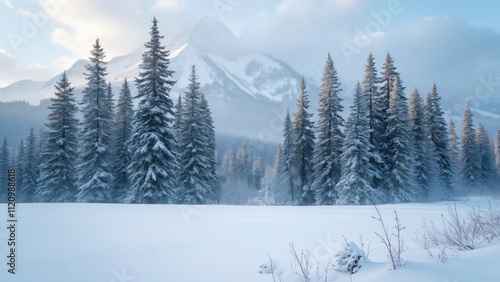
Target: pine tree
pixel 380 111
pixel 388 75
pixel 354 186
pixel 225 165
pixel 243 165
pixel 454 144
pixel 40 144
pixel 381 102
pixel 123 132
pixel 304 146
pixel 288 164
pixel 59 154
pixel 400 175
pixel 210 150
pixel 95 179
pixel 228 168
pixel 425 160
pixel 257 173
pixel 437 131
pixel 486 157
pixel 110 99
pixel 30 171
pixel 276 170
pixel 20 167
pixel 329 144
pixel 4 167
pixel 195 175
pixel 111 109
pixel 469 170
pixel 178 117
pixel 371 91
pixel 155 159
pixel 376 116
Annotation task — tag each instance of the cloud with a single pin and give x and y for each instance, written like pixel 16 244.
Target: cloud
pixel 443 50
pixel 124 29
pixel 11 71
pixel 6 61
pixel 172 5
pixel 302 32
pixel 7 3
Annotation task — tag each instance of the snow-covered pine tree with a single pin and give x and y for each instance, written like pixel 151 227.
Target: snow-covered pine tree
pixel 195 175
pixel 454 145
pixel 376 117
pixel 426 178
pixel 155 158
pixel 257 173
pixel 251 158
pixel 438 133
pixel 123 131
pixel 388 75
pixel 176 125
pixel 381 106
pixel 469 159
pixel 40 144
pixel 326 161
pixel 243 170
pixel 497 153
pixel 4 167
pixel 288 164
pixel 225 167
pixel 486 157
pixel 20 167
pixel 400 177
pixel 111 108
pixel 276 170
pixel 178 118
pixel 304 147
pixel 57 179
pixel 94 171
pixel 354 186
pixel 110 99
pixel 30 171
pixel 381 101
pixel 371 90
pixel 210 150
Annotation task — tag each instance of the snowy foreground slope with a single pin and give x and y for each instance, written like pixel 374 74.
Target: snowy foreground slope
pixel 118 243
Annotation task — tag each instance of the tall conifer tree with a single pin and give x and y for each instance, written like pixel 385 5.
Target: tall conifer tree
pixel 123 133
pixel 327 164
pixel 354 186
pixel 304 146
pixel 59 153
pixel 154 167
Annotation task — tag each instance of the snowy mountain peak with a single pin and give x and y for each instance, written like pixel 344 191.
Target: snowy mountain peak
pixel 211 36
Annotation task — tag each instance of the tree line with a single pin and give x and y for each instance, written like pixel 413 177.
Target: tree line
pixel 156 153
pixel 390 149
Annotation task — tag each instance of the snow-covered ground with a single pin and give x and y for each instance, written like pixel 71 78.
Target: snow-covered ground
pixel 124 243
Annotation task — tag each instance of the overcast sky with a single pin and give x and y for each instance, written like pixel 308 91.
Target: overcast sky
pixel 452 43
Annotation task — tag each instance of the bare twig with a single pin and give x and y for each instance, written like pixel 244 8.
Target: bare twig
pixel 366 253
pixel 271 265
pixel 301 265
pixel 393 251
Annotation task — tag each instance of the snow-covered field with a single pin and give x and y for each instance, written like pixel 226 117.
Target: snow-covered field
pixel 124 243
